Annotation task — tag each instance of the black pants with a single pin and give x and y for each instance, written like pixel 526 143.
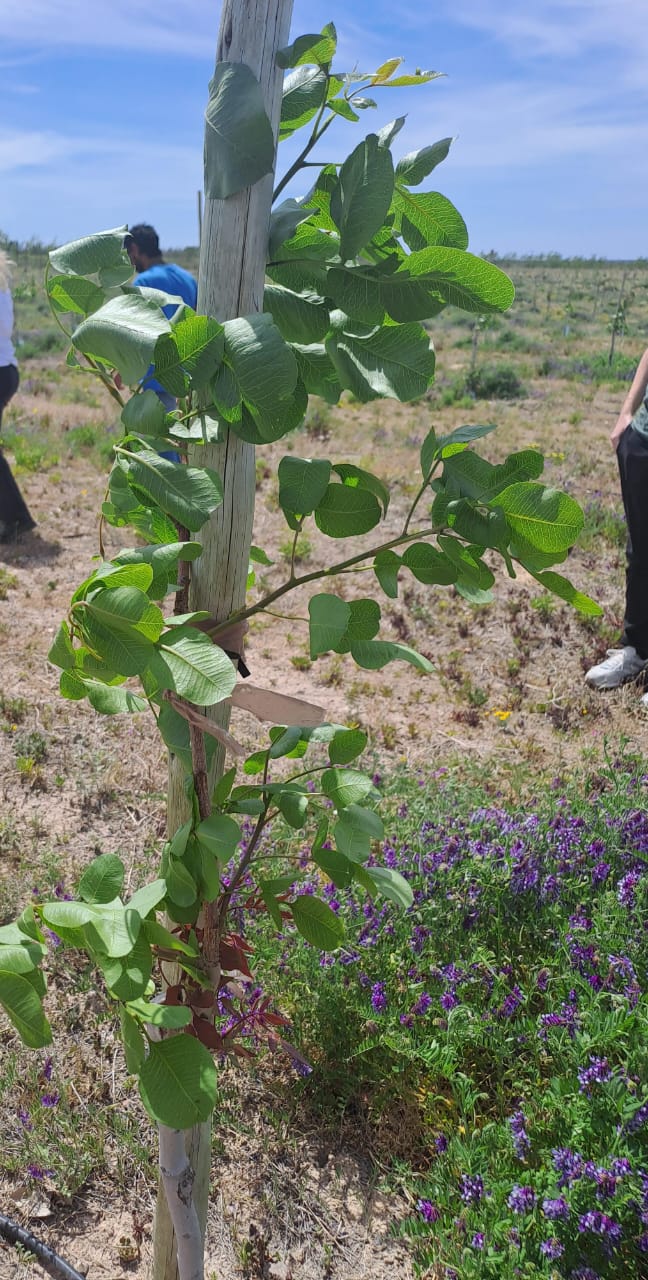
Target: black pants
pixel 632 455
pixel 14 514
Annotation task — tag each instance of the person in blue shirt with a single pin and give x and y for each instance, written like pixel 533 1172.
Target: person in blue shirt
pixel 143 248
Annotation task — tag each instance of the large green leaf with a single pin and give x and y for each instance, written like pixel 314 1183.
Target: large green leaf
pixel 220 835
pixel 302 262
pixel 416 166
pixel 111 928
pixel 428 218
pixel 123 333
pixel 133 1042
pixel 62 652
pixel 316 922
pixel 309 49
pixel 144 414
pixel 177 1082
pixel 263 364
pixel 122 647
pixel 329 619
pixel 361 199
pixel 261 426
pixel 75 293
pixel 391 884
pixel 300 317
pixel 125 606
pixel 22 1005
pixel 187 358
pixel 346 745
pixel 386 566
pixel 302 484
pixel 195 667
pixel 103 879
pixel 426 281
pixel 317 371
pixel 548 519
pixel 345 511
pixel 102 252
pixel 354 831
pixel 239 143
pixel 345 786
pixel 128 977
pixel 373 655
pixel 396 360
pixel 304 92
pixel 429 565
pixel 284 221
pixel 163 561
pixel 563 588
pixel 187 494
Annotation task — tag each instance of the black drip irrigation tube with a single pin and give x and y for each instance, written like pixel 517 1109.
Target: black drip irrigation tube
pixel 47 1259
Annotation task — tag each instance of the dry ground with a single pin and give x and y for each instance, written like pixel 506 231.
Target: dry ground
pixel 507 694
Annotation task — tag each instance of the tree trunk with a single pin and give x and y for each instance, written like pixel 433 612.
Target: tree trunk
pixel 231 280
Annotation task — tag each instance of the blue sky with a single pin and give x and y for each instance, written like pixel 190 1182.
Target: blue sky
pixel 101 106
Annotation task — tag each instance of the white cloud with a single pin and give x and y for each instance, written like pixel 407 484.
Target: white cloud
pixel 183 26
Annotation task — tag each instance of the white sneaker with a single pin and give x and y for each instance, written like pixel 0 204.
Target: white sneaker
pixel 619 666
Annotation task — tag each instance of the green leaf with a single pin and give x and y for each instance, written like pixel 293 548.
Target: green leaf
pixel 226 394
pixel 416 166
pixel 427 280
pixel 170 1016
pixel 317 371
pixel 317 49
pixel 316 922
pixel 284 221
pixel 464 435
pixel 329 618
pixel 487 529
pixel 103 879
pixel 389 131
pixel 392 885
pixel 128 978
pixel 304 92
pixel 187 494
pixel 547 519
pixel 239 143
pixel 346 745
pixel 335 865
pixel 74 293
pixel 563 588
pixel 263 364
pixel 345 786
pixel 123 648
pixel 429 453
pixel 123 334
pixel 22 1005
pixel 195 667
pixel 344 511
pixel 62 653
pixel 302 484
pixel 110 927
pixel 354 831
pixel 110 701
pixel 386 566
pixel 364 622
pixel 103 251
pixel 220 835
pixel 187 358
pixel 202 429
pixel 373 655
pixel 158 936
pixel 343 108
pixel 396 361
pixel 163 561
pixel 361 199
pixel 177 1082
pixel 300 317
pixel 181 886
pixel 427 218
pixel 293 805
pixel 472 570
pixel 145 900
pixel 429 565
pixel 133 1041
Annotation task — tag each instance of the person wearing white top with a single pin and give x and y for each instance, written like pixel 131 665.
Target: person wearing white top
pixel 15 518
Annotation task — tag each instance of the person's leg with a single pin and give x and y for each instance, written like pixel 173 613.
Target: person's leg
pixel 14 513
pixel 632 457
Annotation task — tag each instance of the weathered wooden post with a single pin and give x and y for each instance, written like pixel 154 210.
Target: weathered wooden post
pixel 231 280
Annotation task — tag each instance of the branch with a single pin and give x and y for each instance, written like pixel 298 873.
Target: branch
pixel 312 141
pixel 177 1178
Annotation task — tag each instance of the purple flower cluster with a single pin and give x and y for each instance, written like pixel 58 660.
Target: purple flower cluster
pixel 471 1188
pixel 600 1225
pixel 521 1140
pixel 598 1072
pixel 555 1209
pixel 522 1199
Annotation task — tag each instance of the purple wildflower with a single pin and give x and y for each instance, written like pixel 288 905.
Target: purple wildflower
pixel 511 1003
pixel 429 1211
pixel 50 1100
pixel 478 1241
pixel 554 1209
pixel 422 1004
pixel 600 1225
pixel 569 1164
pixel 522 1199
pixel 627 889
pixel 552 1249
pixel 448 1001
pixel 441 1144
pixel 471 1188
pixel 379 997
pixel 521 1140
pixel 599 1072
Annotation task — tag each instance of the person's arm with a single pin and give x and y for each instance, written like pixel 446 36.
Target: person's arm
pixel 632 401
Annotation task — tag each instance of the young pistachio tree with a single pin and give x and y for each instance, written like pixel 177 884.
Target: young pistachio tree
pixel 352 270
